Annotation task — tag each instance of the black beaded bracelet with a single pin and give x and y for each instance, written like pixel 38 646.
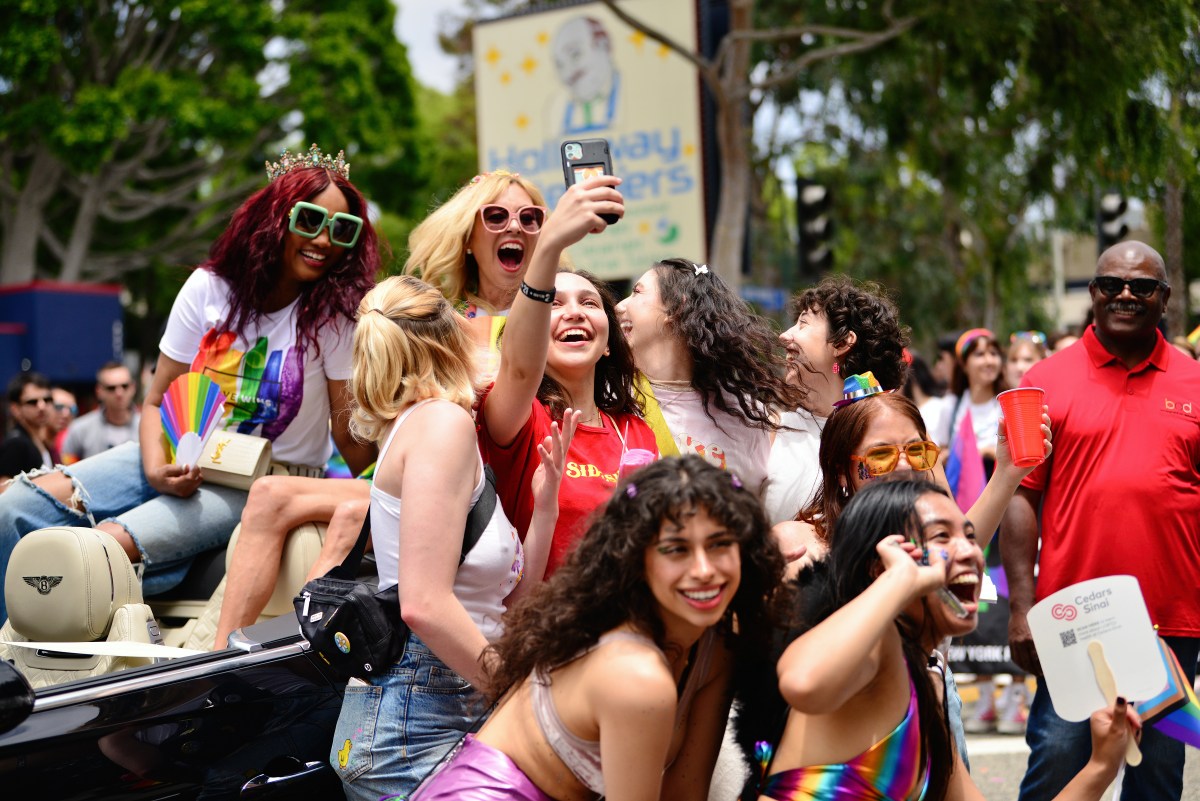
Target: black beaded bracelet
pixel 540 295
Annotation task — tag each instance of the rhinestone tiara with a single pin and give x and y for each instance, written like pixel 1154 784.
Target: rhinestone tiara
pixel 303 161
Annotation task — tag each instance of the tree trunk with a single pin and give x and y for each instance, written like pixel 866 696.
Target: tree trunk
pixel 18 259
pixel 1177 308
pixel 728 240
pixel 85 225
pixel 729 232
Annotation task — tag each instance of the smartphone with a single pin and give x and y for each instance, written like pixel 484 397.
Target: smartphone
pixel 587 158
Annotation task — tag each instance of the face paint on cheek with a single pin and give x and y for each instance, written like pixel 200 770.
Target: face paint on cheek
pixel 863 473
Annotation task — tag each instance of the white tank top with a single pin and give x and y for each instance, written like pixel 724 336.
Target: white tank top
pixel 491 570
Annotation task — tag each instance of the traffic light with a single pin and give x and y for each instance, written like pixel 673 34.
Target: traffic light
pixel 1110 225
pixel 813 204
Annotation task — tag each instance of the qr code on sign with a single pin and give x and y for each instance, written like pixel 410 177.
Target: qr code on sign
pixel 1067 637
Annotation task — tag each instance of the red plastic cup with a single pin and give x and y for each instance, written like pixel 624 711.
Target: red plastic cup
pixel 1022 410
pixel 634 458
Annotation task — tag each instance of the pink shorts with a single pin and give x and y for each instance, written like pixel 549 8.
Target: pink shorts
pixel 479 772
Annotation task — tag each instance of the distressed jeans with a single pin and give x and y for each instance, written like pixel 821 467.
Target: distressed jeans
pixel 111 487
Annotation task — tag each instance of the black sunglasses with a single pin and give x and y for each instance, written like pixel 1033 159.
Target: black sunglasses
pixel 1112 286
pixel 47 401
pixel 115 387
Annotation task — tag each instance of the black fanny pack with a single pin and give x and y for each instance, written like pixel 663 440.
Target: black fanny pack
pixel 354 628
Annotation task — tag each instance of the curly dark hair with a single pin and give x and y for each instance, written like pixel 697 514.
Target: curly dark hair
pixel 877 511
pixel 249 254
pixel 736 364
pixel 603 584
pixel 614 391
pixel 865 309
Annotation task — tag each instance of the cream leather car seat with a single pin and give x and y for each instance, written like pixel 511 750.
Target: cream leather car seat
pixel 300 551
pixel 72 585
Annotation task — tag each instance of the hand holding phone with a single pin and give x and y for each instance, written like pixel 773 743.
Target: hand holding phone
pixel 586 158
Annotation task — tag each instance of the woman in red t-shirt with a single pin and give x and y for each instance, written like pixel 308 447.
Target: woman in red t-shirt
pixel 563 349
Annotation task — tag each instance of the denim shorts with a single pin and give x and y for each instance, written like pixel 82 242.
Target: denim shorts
pixel 111 486
pixel 395 730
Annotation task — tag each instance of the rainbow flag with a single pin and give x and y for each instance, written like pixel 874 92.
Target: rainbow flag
pixel 1194 337
pixel 964 466
pixel 1175 711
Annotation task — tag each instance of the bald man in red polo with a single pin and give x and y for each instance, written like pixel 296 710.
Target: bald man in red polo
pixel 1120 495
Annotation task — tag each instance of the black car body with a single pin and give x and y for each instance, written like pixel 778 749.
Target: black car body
pixel 250 722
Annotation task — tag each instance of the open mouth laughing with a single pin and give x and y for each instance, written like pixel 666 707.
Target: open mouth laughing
pixel 511 256
pixel 965 587
pixel 575 336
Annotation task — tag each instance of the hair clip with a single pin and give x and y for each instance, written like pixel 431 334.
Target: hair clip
pixel 701 269
pixel 631 490
pixel 1036 337
pixel 763 751
pixel 735 481
pixel 303 161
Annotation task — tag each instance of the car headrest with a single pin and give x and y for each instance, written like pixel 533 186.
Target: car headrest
pixel 64 584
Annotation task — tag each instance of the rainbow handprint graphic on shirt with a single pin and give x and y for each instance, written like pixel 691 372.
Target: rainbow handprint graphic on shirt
pixel 263 387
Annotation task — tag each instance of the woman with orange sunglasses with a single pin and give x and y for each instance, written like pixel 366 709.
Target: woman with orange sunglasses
pixel 875 435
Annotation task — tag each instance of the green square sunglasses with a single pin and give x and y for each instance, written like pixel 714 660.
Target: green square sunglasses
pixel 308 220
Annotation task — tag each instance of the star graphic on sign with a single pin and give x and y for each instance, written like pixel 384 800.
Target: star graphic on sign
pixel 492 56
pixel 529 64
pixel 663 50
pixel 643 227
pixel 506 77
pixel 543 37
pixel 522 122
pixel 638 38
pixel 689 149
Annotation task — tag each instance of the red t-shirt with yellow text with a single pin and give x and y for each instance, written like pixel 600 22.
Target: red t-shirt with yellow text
pixel 593 460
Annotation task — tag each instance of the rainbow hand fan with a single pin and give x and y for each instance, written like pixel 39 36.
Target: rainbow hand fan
pixel 191 410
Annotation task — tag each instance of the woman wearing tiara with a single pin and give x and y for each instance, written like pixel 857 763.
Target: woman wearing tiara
pixel 269 317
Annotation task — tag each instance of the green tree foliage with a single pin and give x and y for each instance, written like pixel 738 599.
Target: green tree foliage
pixel 129 130
pixel 983 118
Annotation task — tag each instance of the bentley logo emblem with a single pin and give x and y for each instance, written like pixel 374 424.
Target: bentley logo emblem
pixel 43 584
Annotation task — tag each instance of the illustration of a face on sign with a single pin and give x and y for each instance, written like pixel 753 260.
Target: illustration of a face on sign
pixel 583 57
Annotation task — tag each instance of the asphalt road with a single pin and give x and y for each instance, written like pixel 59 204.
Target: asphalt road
pixel 998 763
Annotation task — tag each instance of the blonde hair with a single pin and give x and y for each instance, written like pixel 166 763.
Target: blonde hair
pixel 409 345
pixel 438 246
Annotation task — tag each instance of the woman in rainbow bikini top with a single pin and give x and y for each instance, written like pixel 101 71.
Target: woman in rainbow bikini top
pixel 614 677
pixel 865 719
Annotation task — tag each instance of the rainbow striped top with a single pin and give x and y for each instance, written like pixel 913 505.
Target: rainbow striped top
pixel 890 770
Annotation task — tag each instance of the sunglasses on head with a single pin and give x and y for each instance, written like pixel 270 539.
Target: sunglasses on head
pixel 882 459
pixel 308 220
pixel 495 218
pixel 1112 286
pixel 1036 337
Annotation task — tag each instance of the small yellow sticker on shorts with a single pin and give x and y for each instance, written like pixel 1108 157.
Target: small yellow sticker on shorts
pixel 344 755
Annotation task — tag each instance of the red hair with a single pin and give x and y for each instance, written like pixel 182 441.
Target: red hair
pixel 249 256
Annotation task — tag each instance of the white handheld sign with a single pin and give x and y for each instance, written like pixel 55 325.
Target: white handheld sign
pixel 1110 610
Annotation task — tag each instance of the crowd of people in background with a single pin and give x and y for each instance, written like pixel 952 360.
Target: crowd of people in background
pixel 761 611
pixel 46 429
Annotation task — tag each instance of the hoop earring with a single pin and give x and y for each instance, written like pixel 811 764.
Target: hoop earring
pixel 845 491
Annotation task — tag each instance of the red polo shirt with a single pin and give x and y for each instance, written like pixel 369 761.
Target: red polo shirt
pixel 1121 493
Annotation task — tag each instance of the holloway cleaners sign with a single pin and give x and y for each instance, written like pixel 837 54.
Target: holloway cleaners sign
pixel 580 73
